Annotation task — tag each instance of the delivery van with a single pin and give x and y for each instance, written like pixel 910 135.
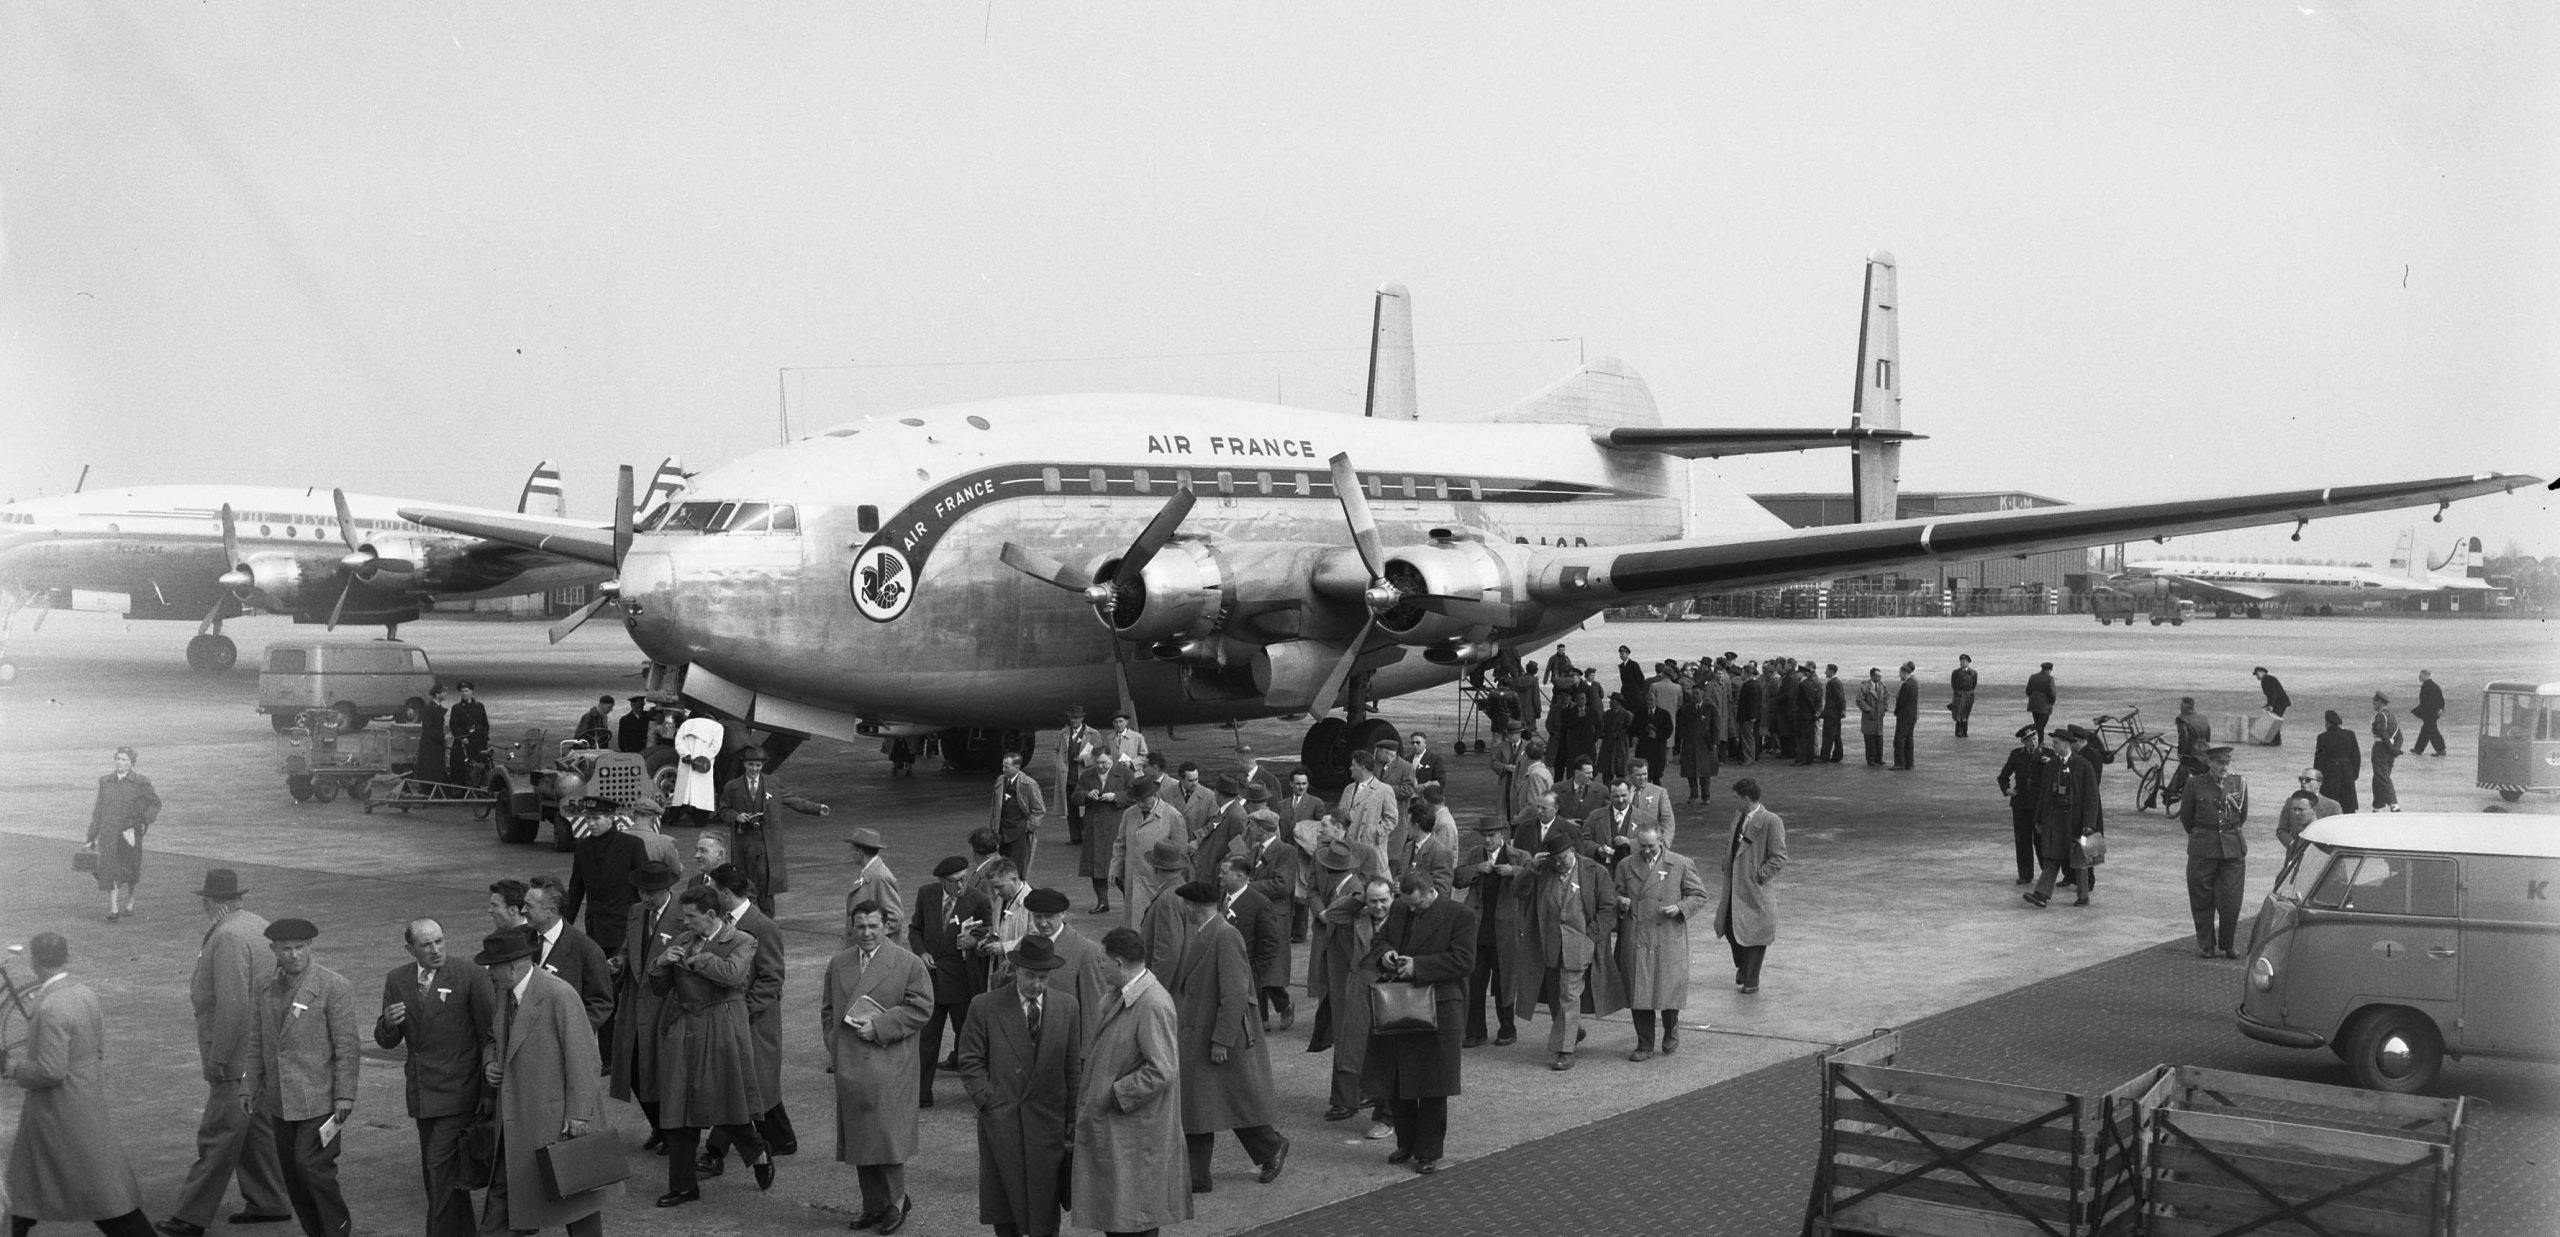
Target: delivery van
pixel 359 680
pixel 2396 940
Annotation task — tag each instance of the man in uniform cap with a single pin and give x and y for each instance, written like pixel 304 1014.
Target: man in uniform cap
pixel 875 884
pixel 2022 779
pixel 746 806
pixel 2213 809
pixel 951 919
pixel 302 1063
pixel 232 1135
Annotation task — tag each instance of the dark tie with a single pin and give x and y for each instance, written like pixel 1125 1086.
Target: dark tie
pixel 507 1025
pixel 1031 1014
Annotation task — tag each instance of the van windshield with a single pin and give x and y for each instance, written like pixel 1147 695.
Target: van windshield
pixel 2387 885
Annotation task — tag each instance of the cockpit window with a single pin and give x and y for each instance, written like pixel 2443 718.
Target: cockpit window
pixel 744 518
pixel 691 517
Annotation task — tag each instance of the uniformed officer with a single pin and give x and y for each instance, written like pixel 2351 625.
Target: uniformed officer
pixel 2213 809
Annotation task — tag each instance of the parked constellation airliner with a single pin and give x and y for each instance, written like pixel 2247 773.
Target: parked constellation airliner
pixel 947 568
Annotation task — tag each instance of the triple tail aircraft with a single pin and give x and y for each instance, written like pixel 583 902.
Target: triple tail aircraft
pixel 983 566
pixel 210 553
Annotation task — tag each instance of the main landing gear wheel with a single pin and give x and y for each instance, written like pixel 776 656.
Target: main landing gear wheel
pixel 1325 753
pixel 211 653
pixel 1369 734
pixel 2512 794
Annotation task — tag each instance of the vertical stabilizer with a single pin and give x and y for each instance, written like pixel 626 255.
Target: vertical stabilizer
pixel 664 485
pixel 2475 565
pixel 2405 558
pixel 542 494
pixel 1875 468
pixel 1391 380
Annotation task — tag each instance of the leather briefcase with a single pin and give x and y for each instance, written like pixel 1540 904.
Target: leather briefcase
pixel 574 1166
pixel 85 859
pixel 1398 1008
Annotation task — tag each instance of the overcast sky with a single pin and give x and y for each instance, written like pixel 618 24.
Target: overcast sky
pixel 2145 249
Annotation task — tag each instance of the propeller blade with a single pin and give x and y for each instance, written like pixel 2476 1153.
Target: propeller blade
pixel 341 607
pixel 235 575
pixel 1468 609
pixel 1120 669
pixel 1041 567
pixel 1158 531
pixel 346 520
pixel 1341 672
pixel 578 618
pixel 621 523
pixel 1355 508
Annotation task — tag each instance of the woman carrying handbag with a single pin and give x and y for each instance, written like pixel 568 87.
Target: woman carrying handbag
pixel 125 808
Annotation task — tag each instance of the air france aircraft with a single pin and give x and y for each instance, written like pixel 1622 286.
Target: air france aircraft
pixel 1197 560
pixel 2324 585
pixel 206 553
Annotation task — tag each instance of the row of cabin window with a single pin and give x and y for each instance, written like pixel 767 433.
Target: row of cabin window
pixel 720 517
pixel 1096 481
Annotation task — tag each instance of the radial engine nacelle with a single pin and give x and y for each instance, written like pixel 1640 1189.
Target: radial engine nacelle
pixel 281 579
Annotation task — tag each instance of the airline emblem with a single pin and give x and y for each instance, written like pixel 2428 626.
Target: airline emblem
pixel 883 584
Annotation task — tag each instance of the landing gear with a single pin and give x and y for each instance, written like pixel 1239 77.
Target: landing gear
pixel 211 653
pixel 970 750
pixel 1326 751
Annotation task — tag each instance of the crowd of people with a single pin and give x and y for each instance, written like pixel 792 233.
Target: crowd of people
pixel 1088 1062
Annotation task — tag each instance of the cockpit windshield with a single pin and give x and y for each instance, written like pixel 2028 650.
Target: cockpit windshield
pixel 711 516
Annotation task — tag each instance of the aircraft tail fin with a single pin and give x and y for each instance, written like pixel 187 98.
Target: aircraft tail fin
pixel 664 485
pixel 2405 558
pixel 1391 374
pixel 1875 468
pixel 1605 391
pixel 542 494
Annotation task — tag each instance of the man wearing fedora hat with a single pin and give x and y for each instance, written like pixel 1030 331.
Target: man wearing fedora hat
pixel 1068 759
pixel 874 884
pixel 1021 1059
pixel 543 1067
pixel 746 806
pixel 232 1136
pixel 303 1064
pixel 650 925
pixel 1149 823
pixel 441 1008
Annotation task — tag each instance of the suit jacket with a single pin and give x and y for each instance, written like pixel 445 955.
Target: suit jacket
pixel 1575 801
pixel 1368 811
pixel 229 968
pixel 1303 807
pixel 1835 699
pixel 1277 869
pixel 1528 835
pixel 1266 935
pixel 1906 700
pixel 2430 702
pixel 303 1055
pixel 1017 809
pixel 934 935
pixel 551 1078
pixel 600 881
pixel 447 1028
pixel 579 962
pixel 759 839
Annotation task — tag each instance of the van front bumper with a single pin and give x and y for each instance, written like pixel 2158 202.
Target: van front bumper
pixel 2285 1037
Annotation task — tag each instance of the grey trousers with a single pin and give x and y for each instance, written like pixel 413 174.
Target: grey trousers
pixel 227 1141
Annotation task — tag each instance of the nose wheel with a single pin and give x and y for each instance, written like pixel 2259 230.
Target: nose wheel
pixel 211 653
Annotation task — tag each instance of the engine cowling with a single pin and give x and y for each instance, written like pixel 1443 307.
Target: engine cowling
pixel 283 580
pixel 1449 567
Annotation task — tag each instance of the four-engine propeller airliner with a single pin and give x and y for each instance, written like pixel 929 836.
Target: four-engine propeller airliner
pixel 947 567
pixel 209 553
pixel 2253 585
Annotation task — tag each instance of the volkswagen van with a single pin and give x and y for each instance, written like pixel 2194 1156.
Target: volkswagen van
pixel 357 679
pixel 2399 940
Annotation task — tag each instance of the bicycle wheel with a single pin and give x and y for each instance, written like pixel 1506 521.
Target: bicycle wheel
pixel 2146 789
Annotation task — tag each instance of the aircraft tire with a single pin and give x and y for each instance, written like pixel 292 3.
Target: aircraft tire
pixel 1325 755
pixel 299 786
pixel 220 654
pixel 2512 794
pixel 1366 735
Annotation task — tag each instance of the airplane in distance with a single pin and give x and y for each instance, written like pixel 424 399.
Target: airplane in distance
pixel 983 566
pixel 210 553
pixel 2251 587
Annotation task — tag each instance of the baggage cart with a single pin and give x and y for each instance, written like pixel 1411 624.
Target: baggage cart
pixel 2238 1153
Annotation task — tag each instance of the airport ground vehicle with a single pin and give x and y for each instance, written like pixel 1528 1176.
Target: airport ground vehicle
pixel 2520 738
pixel 2144 754
pixel 529 788
pixel 2396 941
pixel 359 679
pixel 2131 605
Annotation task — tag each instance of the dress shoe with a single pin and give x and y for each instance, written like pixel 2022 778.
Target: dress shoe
pixel 861 1222
pixel 2079 901
pixel 711 1165
pixel 1426 1167
pixel 892 1221
pixel 1506 1039
pixel 1670 1041
pixel 2232 954
pixel 2026 880
pixel 678 1198
pixel 1748 989
pixel 764 1172
pixel 1202 1189
pixel 1400 1155
pixel 1380 1130
pixel 1563 1062
pixel 262 1217
pixel 1340 1113
pixel 2036 900
pixel 924 1101
pixel 113 916
pixel 1641 1054
pixel 1271 1167
pixel 656 1142
pixel 2206 953
pixel 1289 1019
pixel 176 1227
pixel 1099 908
pixel 1472 1041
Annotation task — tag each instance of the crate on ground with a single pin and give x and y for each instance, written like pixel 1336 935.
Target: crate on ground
pixel 1913 1154
pixel 2258 728
pixel 2238 1153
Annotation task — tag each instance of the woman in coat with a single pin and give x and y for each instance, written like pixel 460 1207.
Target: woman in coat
pixel 707 1055
pixel 1701 723
pixel 2334 754
pixel 1659 893
pixel 430 759
pixel 1746 915
pixel 124 810
pixel 69 1160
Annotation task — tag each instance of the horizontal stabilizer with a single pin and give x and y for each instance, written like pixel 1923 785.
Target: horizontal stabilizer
pixel 1698 444
pixel 1611 575
pixel 569 539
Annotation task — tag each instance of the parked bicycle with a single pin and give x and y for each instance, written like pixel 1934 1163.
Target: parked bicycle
pixel 2144 753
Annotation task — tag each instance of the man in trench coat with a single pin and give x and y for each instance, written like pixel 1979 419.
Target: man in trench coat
pixel 1351 922
pixel 652 924
pixel 1226 1063
pixel 873 1046
pixel 1428 939
pixel 229 966
pixel 1658 894
pixel 1486 866
pixel 545 1071
pixel 1752 855
pixel 68 1162
pixel 1569 911
pixel 765 978
pixel 1128 1115
pixel 1022 1060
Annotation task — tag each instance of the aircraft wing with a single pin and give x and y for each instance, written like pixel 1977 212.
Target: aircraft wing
pixel 1611 575
pixel 570 539
pixel 1693 443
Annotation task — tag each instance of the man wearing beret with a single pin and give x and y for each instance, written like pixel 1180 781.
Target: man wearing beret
pixel 232 1135
pixel 302 1073
pixel 950 920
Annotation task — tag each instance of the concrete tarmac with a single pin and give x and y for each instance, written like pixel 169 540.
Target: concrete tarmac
pixel 1898 903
